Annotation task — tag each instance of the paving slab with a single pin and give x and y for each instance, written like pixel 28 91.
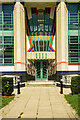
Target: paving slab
pixel 39 102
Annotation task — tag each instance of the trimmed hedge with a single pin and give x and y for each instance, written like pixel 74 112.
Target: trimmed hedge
pixel 7 85
pixel 75 85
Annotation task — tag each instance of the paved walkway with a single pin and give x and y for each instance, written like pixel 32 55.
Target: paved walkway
pixel 39 102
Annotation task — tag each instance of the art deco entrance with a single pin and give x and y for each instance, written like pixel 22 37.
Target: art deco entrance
pixel 41 70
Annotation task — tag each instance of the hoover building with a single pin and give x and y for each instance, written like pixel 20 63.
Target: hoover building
pixel 40 39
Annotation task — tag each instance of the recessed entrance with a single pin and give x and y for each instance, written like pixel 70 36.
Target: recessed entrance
pixel 41 70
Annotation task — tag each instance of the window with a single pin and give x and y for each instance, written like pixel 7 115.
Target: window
pixel 7 39
pixel 6 17
pixel 73 33
pixel 7 50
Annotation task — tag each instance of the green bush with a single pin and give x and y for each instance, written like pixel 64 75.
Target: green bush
pixel 75 85
pixel 7 85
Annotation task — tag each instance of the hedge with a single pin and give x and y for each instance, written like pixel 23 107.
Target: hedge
pixel 75 85
pixel 7 85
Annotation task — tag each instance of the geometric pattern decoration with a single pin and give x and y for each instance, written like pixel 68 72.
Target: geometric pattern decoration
pixel 41 30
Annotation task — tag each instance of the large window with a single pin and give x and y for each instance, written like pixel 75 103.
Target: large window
pixel 6 35
pixel 73 33
pixel 40 26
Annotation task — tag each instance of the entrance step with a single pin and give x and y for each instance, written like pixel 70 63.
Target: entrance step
pixel 40 83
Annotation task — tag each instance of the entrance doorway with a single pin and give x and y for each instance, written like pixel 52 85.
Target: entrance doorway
pixel 41 70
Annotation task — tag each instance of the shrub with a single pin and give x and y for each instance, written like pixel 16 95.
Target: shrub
pixel 7 85
pixel 75 85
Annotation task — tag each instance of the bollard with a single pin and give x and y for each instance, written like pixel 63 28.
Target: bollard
pixel 61 87
pixel 18 87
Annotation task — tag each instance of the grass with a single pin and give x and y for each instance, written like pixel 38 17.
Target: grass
pixel 0 101
pixel 4 100
pixel 74 100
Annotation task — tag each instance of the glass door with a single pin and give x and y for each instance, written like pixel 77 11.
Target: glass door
pixel 41 70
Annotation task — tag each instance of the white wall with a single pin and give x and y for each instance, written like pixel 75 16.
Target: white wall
pixel 73 67
pixel 6 68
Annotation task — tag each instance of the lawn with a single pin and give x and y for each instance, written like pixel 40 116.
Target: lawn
pixel 74 100
pixel 5 100
pixel 0 101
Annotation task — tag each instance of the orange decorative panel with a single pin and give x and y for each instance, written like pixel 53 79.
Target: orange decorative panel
pixel 36 36
pixel 41 36
pixel 32 36
pixel 45 35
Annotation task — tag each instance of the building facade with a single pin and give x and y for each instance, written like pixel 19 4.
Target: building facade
pixel 40 39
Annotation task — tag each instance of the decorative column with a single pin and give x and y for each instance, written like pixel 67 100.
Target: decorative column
pixel 61 37
pixel 19 37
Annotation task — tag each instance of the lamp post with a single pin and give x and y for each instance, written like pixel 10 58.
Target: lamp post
pixel 18 86
pixel 61 86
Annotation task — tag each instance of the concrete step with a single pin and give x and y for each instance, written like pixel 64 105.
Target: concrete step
pixel 40 83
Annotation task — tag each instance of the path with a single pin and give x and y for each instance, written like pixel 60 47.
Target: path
pixel 39 102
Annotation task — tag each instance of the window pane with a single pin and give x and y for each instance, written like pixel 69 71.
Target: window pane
pixel 1 61
pixel 0 39
pixel 6 61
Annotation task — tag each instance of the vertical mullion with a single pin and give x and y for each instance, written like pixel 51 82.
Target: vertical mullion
pixel 11 38
pixel 37 35
pixel 35 43
pixel 2 34
pixel 38 38
pixel 49 23
pixel 3 48
pixel 41 70
pixel 47 69
pixel 46 45
pixel 11 20
pixel 68 47
pixel 38 45
pixel 78 37
pixel 69 50
pixel 49 31
pixel 68 36
pixel 33 30
pixel 12 51
pixel 47 35
pixel 35 70
pixel 78 17
pixel 78 46
pixel 69 18
pixel 37 26
pixel 47 42
pixel 37 29
pixel 44 31
pixel 79 32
